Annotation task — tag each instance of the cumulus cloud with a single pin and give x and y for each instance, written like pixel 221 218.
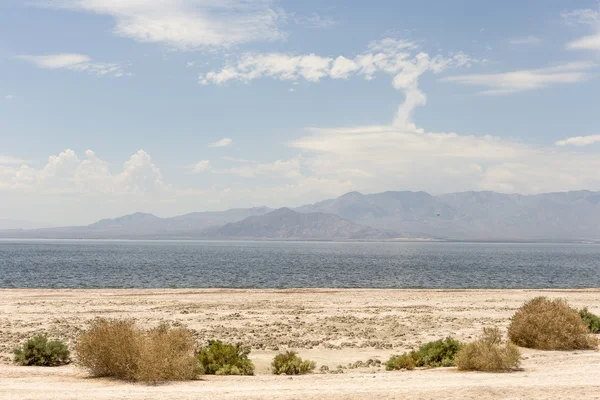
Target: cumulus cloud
pixel 225 142
pixel 75 62
pixel 579 140
pixel 67 173
pixel 398 58
pixel 522 80
pixel 589 18
pixel 186 24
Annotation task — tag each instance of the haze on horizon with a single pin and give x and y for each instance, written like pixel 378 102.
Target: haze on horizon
pixel 122 106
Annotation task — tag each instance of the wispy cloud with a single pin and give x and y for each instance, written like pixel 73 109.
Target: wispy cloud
pixel 221 143
pixel 525 40
pixel 315 21
pixel 528 79
pixel 186 24
pixel 201 166
pixel 586 17
pixel 579 141
pixel 9 97
pixel 75 62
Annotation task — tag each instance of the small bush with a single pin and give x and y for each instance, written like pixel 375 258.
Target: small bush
pixel 39 351
pixel 488 354
pixel 546 324
pixel 439 353
pixel 225 359
pixel 591 320
pixel 119 349
pixel 168 355
pixel 402 361
pixel 289 363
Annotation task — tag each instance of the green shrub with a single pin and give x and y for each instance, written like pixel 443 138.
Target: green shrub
pixel 439 353
pixel 591 320
pixel 289 363
pixel 546 324
pixel 120 349
pixel 219 358
pixel 39 351
pixel 488 354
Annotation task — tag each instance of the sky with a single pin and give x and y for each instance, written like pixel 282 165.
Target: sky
pixel 109 107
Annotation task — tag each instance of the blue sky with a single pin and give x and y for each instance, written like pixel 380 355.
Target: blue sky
pixel 170 106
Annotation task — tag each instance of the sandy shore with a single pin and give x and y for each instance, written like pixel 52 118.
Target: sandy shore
pixel 332 327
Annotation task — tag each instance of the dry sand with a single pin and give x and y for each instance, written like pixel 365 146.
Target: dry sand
pixel 332 327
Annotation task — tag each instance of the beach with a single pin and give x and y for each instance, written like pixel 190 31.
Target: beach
pixel 338 328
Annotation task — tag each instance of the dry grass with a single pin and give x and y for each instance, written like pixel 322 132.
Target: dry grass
pixel 488 354
pixel 546 324
pixel 120 349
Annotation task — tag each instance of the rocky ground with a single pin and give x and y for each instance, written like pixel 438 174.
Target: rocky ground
pixel 349 333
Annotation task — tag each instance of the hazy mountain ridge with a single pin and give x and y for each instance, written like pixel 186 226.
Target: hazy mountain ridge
pixel 285 223
pixel 474 215
pixel 570 216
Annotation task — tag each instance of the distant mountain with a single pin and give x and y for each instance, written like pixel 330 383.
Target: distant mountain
pixel 144 226
pixel 287 224
pixel 474 215
pixel 6 224
pixel 568 216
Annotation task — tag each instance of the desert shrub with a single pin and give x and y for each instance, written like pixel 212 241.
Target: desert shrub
pixel 168 355
pixel 488 354
pixel 402 361
pixel 591 320
pixel 120 349
pixel 439 353
pixel 547 324
pixel 41 352
pixel 219 358
pixel 289 363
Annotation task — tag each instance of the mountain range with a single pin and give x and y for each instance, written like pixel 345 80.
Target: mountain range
pixel 489 216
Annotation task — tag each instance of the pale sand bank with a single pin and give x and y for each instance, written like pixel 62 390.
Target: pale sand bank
pixel 332 327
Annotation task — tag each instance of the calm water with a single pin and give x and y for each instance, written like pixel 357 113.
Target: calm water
pixel 173 264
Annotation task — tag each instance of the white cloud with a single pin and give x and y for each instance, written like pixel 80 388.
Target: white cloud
pixel 315 21
pixel 525 40
pixel 579 140
pixel 587 17
pixel 591 42
pixel 441 162
pixel 201 166
pixel 398 58
pixel 221 143
pixel 66 173
pixel 518 81
pixel 75 62
pixel 9 97
pixel 186 24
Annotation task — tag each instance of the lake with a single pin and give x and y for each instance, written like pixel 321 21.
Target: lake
pixel 247 264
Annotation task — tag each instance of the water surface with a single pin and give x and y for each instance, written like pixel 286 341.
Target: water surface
pixel 213 264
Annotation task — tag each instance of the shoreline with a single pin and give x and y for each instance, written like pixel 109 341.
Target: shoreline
pixel 333 327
